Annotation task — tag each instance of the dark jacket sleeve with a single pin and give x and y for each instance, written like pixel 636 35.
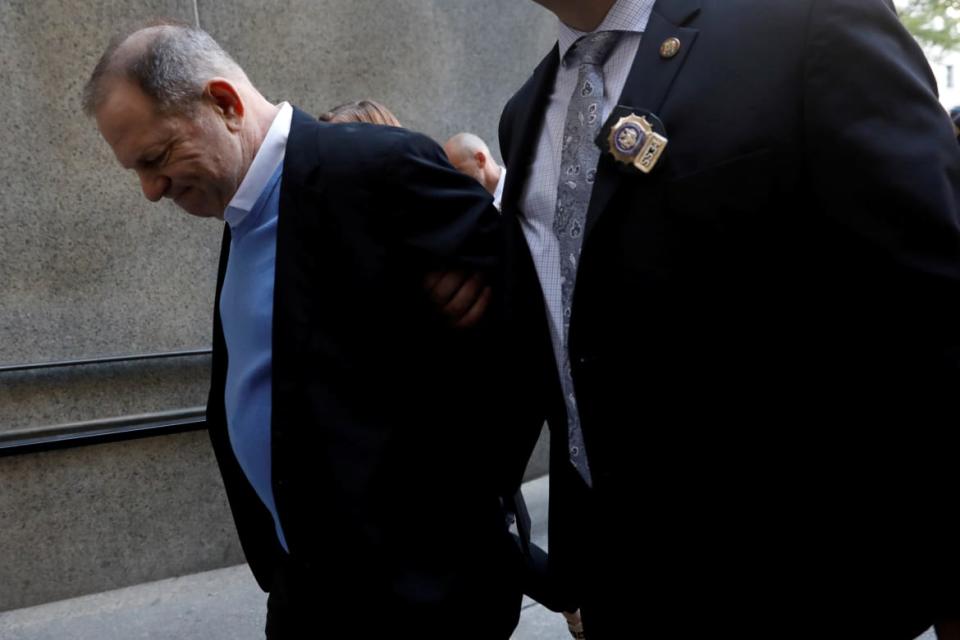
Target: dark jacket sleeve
pixel 447 219
pixel 885 166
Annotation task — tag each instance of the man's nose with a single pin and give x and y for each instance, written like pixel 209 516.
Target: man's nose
pixel 153 185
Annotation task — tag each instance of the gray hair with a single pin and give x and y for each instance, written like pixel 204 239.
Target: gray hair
pixel 170 62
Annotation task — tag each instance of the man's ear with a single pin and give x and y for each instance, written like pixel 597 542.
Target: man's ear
pixel 480 159
pixel 227 101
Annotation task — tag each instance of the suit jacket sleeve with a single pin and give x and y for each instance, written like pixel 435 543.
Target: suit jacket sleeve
pixel 885 165
pixel 445 218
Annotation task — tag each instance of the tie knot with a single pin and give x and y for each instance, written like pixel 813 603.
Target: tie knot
pixel 593 48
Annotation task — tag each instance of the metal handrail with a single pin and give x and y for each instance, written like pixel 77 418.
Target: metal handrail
pixel 57 364
pixel 102 430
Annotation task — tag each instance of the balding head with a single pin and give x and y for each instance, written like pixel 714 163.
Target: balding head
pixel 463 145
pixel 469 154
pixel 178 111
pixel 169 62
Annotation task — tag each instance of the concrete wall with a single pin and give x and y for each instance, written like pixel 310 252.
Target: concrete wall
pixel 88 267
pixel 96 518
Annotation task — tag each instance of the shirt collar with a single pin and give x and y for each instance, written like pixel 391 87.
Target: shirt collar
pixel 498 192
pixel 631 16
pixel 268 157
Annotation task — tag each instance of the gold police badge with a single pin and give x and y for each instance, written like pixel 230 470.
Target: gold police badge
pixel 633 141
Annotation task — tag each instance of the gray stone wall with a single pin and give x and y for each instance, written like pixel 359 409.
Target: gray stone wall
pixel 95 518
pixel 88 267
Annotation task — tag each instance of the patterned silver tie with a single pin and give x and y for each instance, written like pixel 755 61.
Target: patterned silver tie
pixel 578 169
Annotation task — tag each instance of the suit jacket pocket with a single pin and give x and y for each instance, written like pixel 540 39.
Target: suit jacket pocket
pixel 731 192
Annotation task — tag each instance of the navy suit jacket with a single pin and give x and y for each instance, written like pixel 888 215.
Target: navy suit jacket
pixel 764 330
pixel 385 458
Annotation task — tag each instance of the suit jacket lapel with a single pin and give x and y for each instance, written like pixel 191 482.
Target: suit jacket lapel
pixel 293 231
pixel 647 86
pixel 530 112
pixel 218 375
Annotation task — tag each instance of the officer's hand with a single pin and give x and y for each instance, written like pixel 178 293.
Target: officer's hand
pixel 462 298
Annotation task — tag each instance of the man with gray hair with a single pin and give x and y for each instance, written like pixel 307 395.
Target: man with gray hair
pixel 336 408
pixel 469 154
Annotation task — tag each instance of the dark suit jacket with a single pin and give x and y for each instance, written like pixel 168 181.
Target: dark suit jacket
pixel 385 464
pixel 764 328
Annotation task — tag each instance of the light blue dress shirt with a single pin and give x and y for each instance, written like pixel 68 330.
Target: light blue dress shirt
pixel 246 311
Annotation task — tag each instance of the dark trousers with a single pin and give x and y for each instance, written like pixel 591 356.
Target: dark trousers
pixel 537 577
pixel 655 561
pixel 298 608
pixel 542 584
pixel 585 555
pixel 304 604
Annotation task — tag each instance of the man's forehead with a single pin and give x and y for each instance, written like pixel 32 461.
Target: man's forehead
pixel 127 118
pixel 120 93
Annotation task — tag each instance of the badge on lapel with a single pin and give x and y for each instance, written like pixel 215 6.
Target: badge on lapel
pixel 636 138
